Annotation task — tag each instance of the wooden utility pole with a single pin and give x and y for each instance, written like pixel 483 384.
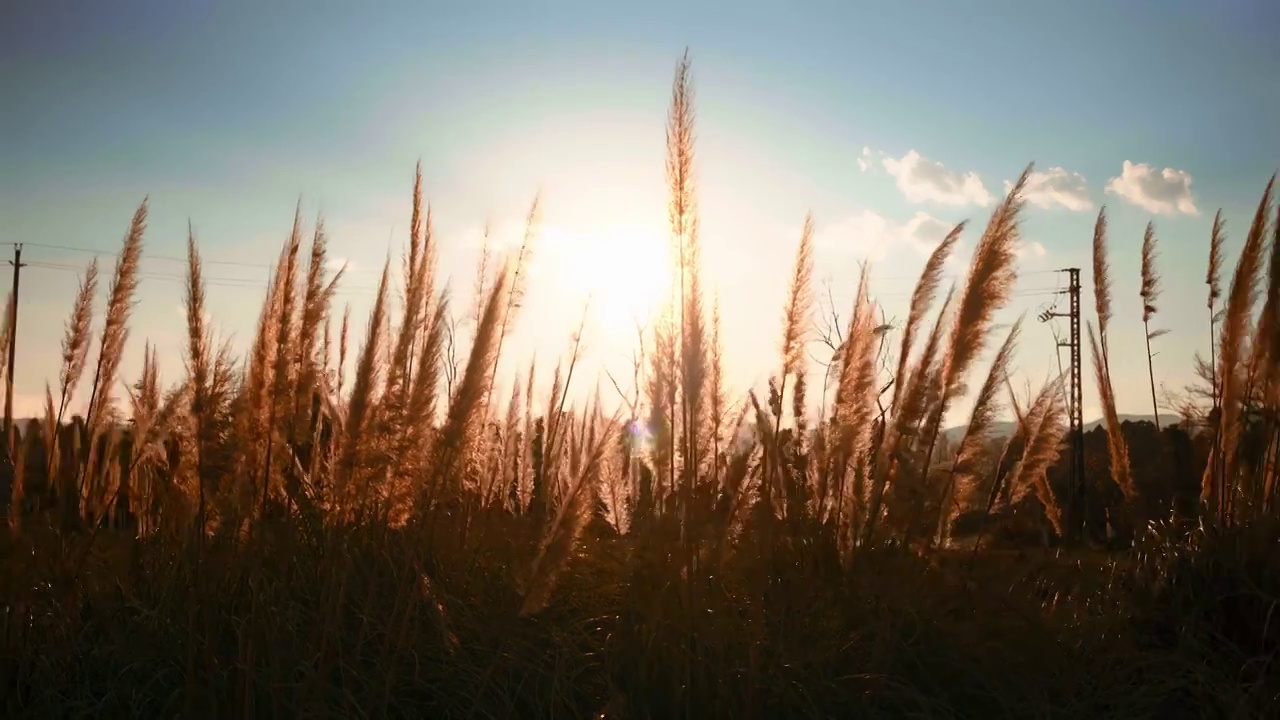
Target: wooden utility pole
pixel 8 475
pixel 13 345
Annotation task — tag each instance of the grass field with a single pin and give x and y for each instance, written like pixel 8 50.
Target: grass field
pixel 265 539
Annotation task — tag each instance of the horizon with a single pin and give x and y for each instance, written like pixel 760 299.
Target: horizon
pixel 109 107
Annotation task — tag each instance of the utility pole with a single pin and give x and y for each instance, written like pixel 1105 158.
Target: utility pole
pixel 8 474
pixel 13 345
pixel 1075 403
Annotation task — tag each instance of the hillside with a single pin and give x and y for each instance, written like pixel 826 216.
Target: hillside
pixel 1004 429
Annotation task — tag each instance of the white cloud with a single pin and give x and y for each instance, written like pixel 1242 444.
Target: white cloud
pixel 1166 191
pixel 336 264
pixel 1056 187
pixel 923 180
pixel 864 161
pixel 873 236
pixel 1026 249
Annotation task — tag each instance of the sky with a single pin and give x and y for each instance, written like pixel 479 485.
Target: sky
pixel 889 121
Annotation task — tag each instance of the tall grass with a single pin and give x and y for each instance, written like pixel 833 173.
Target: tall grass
pixel 264 540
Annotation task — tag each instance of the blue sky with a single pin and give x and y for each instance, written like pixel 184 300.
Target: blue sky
pixel 890 121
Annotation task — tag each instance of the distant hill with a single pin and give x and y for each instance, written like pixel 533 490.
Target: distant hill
pixel 1005 429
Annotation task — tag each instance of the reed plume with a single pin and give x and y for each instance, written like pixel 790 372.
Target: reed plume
pixel 799 303
pixel 199 368
pixel 986 407
pixel 115 329
pixel 317 296
pixel 415 223
pixel 796 313
pixel 342 350
pixel 992 273
pixel 562 535
pixel 1045 430
pixel 682 213
pixel 467 402
pixel 717 394
pixel 1213 278
pixel 854 409
pixel 1150 292
pixel 368 372
pixel 1238 312
pixel 921 301
pixel 399 370
pixel 75 341
pixel 1102 282
pixel 1117 446
pixel 115 332
pixel 255 391
pixel 516 290
pixel 281 392
pixel 75 353
pixel 480 283
pixel 425 394
pixel 922 378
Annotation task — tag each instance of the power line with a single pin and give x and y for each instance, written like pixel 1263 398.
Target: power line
pixel 150 256
pixel 229 282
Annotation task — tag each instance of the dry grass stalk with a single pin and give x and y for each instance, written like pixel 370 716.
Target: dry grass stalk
pixel 467 402
pixel 717 394
pixel 310 360
pixel 342 350
pixel 115 332
pixel 75 354
pixel 1150 293
pixel 1266 354
pixel 519 273
pixel 1238 312
pixel 75 341
pixel 570 520
pixel 281 394
pixel 661 393
pixel 359 409
pixel 682 213
pixel 962 479
pixel 799 304
pixel 855 401
pixel 480 284
pixel 921 301
pixel 415 223
pixel 1102 282
pixel 254 401
pixel 1213 278
pixel 115 329
pixel 796 313
pixel 199 368
pixel 914 400
pixel 1117 446
pixel 992 273
pixel 1044 437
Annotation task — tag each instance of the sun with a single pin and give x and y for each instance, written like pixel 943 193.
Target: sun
pixel 622 268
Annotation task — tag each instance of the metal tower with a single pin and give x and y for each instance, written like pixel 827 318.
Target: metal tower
pixel 1075 402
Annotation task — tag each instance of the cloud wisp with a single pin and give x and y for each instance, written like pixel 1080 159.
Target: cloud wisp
pixel 1164 192
pixel 922 180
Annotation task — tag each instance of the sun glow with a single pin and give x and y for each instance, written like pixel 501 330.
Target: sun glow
pixel 622 268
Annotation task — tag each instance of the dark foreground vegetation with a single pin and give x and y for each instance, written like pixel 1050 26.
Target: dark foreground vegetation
pixel 275 536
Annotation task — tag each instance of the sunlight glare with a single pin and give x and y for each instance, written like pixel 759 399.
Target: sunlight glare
pixel 623 268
